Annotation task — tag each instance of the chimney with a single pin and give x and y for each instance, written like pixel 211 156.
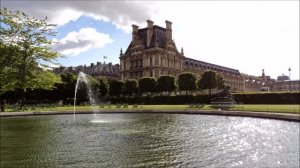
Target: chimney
pixel 169 30
pixel 135 30
pixel 92 64
pixel 149 32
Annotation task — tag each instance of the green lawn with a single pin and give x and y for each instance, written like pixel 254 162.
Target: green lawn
pixel 272 108
pixel 261 108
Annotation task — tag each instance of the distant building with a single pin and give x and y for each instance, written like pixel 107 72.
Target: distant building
pixel 284 83
pixel 98 70
pixel 152 52
pixel 258 83
pixel 283 78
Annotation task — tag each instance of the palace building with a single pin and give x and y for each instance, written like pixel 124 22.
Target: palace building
pixel 152 52
pixel 98 70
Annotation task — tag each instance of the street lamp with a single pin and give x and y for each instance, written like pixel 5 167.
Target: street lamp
pixel 290 82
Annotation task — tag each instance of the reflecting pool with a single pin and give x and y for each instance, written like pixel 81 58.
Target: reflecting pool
pixel 148 140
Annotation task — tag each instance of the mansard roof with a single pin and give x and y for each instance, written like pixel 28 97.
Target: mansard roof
pixel 93 70
pixel 283 78
pixel 159 37
pixel 189 62
pixel 102 69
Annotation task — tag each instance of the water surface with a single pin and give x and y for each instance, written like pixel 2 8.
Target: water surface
pixel 148 140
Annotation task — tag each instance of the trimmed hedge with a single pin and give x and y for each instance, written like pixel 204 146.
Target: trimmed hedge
pixel 183 99
pixel 256 98
pixel 268 98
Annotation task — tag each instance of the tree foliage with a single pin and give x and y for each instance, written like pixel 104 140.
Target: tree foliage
pixel 95 92
pixel 208 81
pixel 130 87
pixel 26 52
pixel 147 84
pixel 116 88
pixel 220 82
pixel 103 87
pixel 65 90
pixel 166 83
pixel 187 82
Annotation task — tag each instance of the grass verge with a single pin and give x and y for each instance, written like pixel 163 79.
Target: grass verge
pixel 247 107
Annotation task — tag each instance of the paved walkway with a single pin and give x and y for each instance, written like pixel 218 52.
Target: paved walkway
pixel 269 115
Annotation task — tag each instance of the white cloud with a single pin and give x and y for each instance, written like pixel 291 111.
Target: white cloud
pixel 75 43
pixel 121 13
pixel 246 35
pixel 64 16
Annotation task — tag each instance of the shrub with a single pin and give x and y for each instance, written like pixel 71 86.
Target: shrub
pixel 268 98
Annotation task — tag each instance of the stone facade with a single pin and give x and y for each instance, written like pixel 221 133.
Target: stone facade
pixel 284 83
pixel 98 70
pixel 232 77
pixel 152 53
pixel 256 83
pixel 293 86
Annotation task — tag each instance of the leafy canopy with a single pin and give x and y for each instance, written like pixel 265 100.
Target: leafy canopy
pixel 166 83
pixel 26 52
pixel 130 87
pixel 147 84
pixel 103 87
pixel 187 81
pixel 208 81
pixel 220 82
pixel 116 88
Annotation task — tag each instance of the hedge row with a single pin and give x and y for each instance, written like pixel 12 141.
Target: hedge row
pixel 259 98
pixel 268 98
pixel 163 99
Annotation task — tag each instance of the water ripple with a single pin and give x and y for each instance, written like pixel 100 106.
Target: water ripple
pixel 148 140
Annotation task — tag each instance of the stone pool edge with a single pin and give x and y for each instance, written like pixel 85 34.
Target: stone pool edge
pixel 266 115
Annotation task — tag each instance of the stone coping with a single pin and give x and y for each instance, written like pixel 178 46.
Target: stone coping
pixel 267 115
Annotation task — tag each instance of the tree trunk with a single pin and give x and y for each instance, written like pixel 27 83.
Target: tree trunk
pixel 2 105
pixel 23 98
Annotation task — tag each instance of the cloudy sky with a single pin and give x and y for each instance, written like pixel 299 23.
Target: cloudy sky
pixel 245 35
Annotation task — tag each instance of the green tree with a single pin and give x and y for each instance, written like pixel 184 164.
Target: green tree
pixel 166 83
pixel 94 91
pixel 130 87
pixel 147 84
pixel 220 82
pixel 187 82
pixel 66 89
pixel 116 88
pixel 26 41
pixel 103 87
pixel 82 93
pixel 208 81
pixel 88 90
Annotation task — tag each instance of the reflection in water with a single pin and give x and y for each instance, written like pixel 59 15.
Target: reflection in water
pixel 148 140
pixel 104 118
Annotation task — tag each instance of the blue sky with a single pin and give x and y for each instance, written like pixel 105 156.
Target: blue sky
pixel 244 35
pixel 111 51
